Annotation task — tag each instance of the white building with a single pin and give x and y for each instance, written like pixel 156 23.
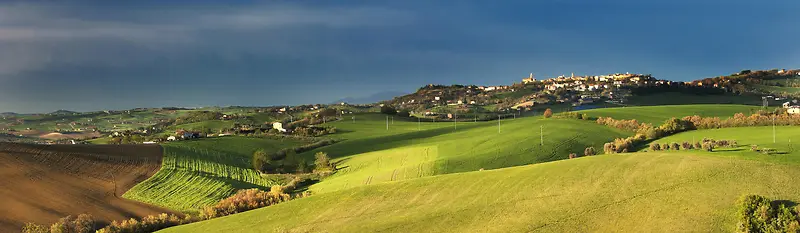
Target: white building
pixel 793 110
pixel 279 127
pixel 171 138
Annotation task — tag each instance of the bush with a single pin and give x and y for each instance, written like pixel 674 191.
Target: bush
pixel 84 223
pixel 754 148
pixel 389 110
pixel 655 147
pixel 322 162
pixel 686 146
pixel 589 151
pixel 548 113
pixel 760 214
pixel 665 146
pixel 608 148
pixel 675 146
pixel 698 145
pixel 572 155
pixel 245 200
pixel 34 228
pixel 708 146
pixel 149 223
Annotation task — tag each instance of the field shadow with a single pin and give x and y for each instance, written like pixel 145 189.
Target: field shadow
pixel 358 146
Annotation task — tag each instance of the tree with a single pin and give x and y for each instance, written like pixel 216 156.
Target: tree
pixel 589 151
pixel 403 113
pixel 322 162
pixel 548 113
pixel 259 160
pixel 387 109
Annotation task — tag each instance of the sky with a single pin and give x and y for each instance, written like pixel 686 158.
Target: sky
pixel 98 55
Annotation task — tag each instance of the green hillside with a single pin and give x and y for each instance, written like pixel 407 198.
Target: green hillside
pixel 641 192
pixel 212 125
pixel 786 141
pixel 201 172
pixel 403 152
pixel 658 114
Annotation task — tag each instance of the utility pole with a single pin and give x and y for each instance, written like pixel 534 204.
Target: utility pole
pixel 419 124
pixel 393 120
pixel 774 139
pixel 541 135
pixel 455 121
pixel 387 122
pixel 498 123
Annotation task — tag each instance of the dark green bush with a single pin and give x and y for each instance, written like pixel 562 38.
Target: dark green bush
pixel 655 147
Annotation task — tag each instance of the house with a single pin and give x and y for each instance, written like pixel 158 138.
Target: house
pixel 171 138
pixel 781 71
pixel 149 142
pixel 278 126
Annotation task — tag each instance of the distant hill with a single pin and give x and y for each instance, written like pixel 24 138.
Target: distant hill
pixel 63 112
pixel 374 98
pixel 8 114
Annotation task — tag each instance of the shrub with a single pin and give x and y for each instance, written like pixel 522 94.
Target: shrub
pixel 655 147
pixel 754 148
pixel 686 146
pixel 548 113
pixel 708 146
pixel 84 223
pixel 665 146
pixel 675 146
pixel 34 228
pixel 322 162
pixel 589 151
pixel 149 223
pixel 245 200
pixel 760 214
pixel 572 155
pixel 608 148
pixel 698 145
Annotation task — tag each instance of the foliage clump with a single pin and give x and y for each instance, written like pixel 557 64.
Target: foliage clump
pixel 548 113
pixel 760 214
pixel 245 200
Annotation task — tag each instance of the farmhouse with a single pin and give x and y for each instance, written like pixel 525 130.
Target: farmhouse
pixel 278 126
pixel 171 138
pixel 793 110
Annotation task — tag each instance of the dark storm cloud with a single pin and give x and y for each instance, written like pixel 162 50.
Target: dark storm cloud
pixel 87 56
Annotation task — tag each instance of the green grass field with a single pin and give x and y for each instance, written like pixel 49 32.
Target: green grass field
pixel 677 98
pixel 641 192
pixel 786 142
pixel 201 172
pixel 403 152
pixel 658 114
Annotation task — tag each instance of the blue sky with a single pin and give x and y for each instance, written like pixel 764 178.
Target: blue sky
pixel 105 55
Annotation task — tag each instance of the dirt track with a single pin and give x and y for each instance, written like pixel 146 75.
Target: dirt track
pixel 41 183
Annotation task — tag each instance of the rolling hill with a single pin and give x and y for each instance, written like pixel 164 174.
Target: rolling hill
pixel 44 183
pixel 640 192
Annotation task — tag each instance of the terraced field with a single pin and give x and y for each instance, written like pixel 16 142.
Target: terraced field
pixel 41 184
pixel 640 192
pixel 658 114
pixel 201 172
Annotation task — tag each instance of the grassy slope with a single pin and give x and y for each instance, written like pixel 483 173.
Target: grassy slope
pixel 405 153
pixel 668 98
pixel 214 125
pixel 787 141
pixel 642 192
pixel 658 114
pixel 201 172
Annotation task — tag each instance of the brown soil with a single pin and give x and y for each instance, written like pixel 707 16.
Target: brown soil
pixel 42 183
pixel 60 136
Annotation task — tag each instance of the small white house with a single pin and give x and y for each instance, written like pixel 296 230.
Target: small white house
pixel 278 126
pixel 149 142
pixel 171 138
